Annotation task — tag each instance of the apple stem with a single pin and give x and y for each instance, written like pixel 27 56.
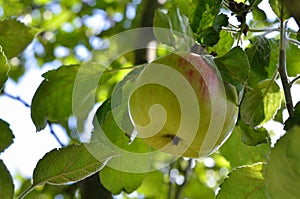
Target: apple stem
pixel 282 65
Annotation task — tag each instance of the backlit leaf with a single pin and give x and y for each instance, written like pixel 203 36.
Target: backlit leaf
pixel 253 136
pixel 238 153
pixel 234 67
pixel 244 182
pixel 53 99
pixel 117 181
pixel 15 37
pixel 70 164
pixel 283 168
pixel 261 104
pixel 6 183
pixel 6 135
pixel 3 69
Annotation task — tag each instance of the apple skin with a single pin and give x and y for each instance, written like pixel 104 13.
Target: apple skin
pixel 179 106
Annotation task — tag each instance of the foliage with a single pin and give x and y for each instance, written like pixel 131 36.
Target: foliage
pixel 97 67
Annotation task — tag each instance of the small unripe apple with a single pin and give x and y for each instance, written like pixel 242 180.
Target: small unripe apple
pixel 179 105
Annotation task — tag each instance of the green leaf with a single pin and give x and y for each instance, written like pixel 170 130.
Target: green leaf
pixel 164 31
pixel 52 100
pixel 209 37
pixel 234 67
pixel 154 181
pixel 253 136
pixel 293 120
pixel 220 21
pixel 259 59
pixel 276 6
pixel 120 98
pixel 68 90
pixel 224 44
pixel 70 164
pixel 15 37
pixel 283 168
pixel 3 69
pixel 118 174
pixel 194 188
pixel 6 183
pixel 258 14
pixel 117 181
pixel 111 134
pixel 202 14
pixel 261 104
pixel 180 22
pixel 238 153
pixel 6 135
pixel 244 182
pixel 293 60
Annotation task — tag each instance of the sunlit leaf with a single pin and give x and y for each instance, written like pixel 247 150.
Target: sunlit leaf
pixel 293 60
pixel 234 67
pixel 56 97
pixel 6 183
pixel 120 98
pixel 202 14
pixel 196 189
pixel 244 182
pixel 259 14
pixel 70 164
pixel 261 104
pixel 224 44
pixel 277 6
pixel 6 135
pixel 117 181
pixel 15 37
pixel 3 69
pixel 117 176
pixel 238 153
pixel 283 168
pixel 154 181
pixel 253 136
pixel 53 99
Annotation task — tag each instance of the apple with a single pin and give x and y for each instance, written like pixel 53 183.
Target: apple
pixel 180 105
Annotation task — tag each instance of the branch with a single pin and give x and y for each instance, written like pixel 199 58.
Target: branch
pixel 19 99
pixel 54 134
pixel 282 66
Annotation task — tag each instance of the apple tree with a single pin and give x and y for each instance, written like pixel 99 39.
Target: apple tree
pixel 157 99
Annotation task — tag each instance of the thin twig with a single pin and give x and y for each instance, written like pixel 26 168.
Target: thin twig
pixel 282 66
pixel 294 41
pixel 19 99
pixel 294 80
pixel 54 134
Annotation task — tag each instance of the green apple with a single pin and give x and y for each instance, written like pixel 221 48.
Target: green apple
pixel 179 105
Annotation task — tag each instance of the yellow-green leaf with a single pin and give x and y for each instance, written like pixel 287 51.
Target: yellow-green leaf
pixel 70 164
pixel 283 168
pixel 15 37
